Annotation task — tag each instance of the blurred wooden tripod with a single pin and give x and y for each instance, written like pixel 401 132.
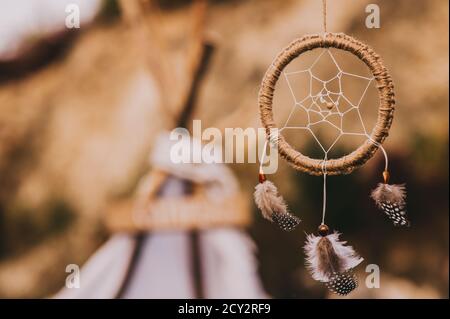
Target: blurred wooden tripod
pixel 144 15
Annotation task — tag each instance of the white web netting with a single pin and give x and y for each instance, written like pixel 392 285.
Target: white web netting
pixel 325 103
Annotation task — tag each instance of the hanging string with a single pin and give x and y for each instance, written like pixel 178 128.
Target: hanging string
pixel 263 158
pixel 324 171
pixel 386 159
pixel 324 13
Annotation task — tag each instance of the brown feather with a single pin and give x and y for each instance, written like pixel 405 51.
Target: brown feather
pixel 389 193
pixel 329 262
pixel 327 255
pixel 268 201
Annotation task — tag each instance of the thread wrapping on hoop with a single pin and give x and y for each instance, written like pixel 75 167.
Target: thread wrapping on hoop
pixel 345 164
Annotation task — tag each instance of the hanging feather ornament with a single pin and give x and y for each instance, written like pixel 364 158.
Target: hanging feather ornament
pixel 330 261
pixel 391 199
pixel 272 205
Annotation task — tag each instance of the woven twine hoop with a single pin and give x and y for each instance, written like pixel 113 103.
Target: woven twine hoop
pixel 345 164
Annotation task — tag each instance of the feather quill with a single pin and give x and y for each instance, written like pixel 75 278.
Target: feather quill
pixel 391 199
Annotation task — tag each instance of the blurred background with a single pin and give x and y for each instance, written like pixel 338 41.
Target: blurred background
pixel 80 108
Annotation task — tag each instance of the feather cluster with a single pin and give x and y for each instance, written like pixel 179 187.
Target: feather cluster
pixel 391 199
pixel 273 207
pixel 331 261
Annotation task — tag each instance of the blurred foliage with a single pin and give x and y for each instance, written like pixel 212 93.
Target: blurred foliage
pixel 110 11
pixel 24 227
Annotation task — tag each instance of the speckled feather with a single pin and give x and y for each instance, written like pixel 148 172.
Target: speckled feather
pixel 391 199
pixel 342 283
pixel 286 221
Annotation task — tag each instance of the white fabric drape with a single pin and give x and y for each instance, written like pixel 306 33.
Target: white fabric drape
pixel 164 268
pixel 100 276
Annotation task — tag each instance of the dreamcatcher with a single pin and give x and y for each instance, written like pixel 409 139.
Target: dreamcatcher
pixel 329 260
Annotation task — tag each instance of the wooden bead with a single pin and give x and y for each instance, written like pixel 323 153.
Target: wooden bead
pixel 262 177
pixel 386 177
pixel 323 230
